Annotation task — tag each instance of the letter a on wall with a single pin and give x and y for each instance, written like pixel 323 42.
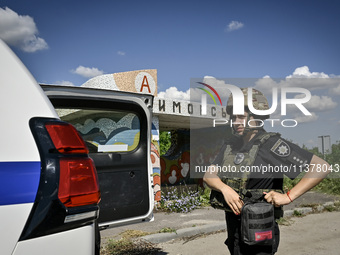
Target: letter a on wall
pixel 145 83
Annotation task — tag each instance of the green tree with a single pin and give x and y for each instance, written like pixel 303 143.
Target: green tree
pixel 331 184
pixel 334 157
pixel 164 142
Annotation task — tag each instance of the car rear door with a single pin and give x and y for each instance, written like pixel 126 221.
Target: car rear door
pixel 117 129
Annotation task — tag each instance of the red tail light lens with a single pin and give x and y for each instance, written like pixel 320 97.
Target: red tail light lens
pixel 66 138
pixel 78 183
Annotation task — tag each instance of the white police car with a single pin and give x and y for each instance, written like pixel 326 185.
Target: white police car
pixel 49 188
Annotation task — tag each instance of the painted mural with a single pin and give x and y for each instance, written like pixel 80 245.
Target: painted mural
pixel 175 164
pixel 121 133
pixel 205 144
pixel 155 159
pixel 188 149
pixel 106 134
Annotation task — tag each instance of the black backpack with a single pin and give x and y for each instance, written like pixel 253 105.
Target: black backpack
pixel 257 223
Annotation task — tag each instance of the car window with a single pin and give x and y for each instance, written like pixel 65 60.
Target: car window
pixel 105 130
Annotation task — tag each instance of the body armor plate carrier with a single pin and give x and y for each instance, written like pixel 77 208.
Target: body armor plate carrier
pixel 231 175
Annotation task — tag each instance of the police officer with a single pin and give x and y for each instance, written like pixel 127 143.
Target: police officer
pixel 263 153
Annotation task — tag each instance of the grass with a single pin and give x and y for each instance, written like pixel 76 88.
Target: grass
pixel 167 230
pixel 287 221
pixel 129 234
pixel 129 244
pixel 284 221
pixel 313 206
pixel 297 214
pixel 332 208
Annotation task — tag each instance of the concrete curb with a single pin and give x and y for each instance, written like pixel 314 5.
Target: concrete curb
pixel 185 232
pixel 306 210
pixel 213 227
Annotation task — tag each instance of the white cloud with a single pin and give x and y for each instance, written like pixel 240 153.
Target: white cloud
pixel 121 53
pixel 20 31
pixel 174 93
pixel 212 81
pixel 305 119
pixel 336 90
pixel 315 105
pixel 220 87
pixel 303 72
pixel 265 85
pixel 194 94
pixel 320 103
pixel 87 72
pixel 234 25
pixel 302 77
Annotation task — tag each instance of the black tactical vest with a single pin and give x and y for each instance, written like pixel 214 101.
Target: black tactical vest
pixel 230 172
pixel 234 170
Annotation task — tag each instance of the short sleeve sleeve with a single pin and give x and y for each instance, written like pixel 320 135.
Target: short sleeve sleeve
pixel 288 154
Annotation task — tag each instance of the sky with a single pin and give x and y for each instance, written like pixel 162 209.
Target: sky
pixel 69 42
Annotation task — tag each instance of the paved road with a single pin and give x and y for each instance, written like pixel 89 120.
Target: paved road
pixel 316 234
pixel 204 216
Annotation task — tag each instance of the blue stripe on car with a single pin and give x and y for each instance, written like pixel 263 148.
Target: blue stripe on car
pixel 19 182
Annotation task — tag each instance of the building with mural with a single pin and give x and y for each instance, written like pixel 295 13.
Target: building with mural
pixel 180 118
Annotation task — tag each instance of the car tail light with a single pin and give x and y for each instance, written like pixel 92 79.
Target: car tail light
pixel 66 139
pixel 78 183
pixel 68 192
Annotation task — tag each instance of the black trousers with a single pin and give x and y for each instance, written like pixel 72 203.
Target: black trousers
pixel 236 247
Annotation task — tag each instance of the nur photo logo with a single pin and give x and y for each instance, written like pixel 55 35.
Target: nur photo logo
pixel 239 101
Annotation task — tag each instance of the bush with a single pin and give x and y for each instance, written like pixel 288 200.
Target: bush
pixel 204 196
pixel 329 185
pixel 182 202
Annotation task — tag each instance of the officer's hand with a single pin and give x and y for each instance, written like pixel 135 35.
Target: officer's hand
pixel 276 199
pixel 233 199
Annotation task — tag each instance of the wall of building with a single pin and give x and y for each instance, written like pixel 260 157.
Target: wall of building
pixel 173 168
pixel 155 159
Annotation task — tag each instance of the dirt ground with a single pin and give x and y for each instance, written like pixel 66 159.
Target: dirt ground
pixel 316 234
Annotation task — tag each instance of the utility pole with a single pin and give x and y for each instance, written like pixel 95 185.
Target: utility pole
pixel 325 147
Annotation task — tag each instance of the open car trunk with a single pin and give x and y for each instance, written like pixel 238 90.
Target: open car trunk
pixel 117 129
